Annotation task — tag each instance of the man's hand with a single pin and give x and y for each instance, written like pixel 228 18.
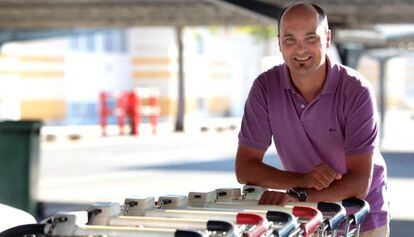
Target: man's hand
pixel 320 177
pixel 276 198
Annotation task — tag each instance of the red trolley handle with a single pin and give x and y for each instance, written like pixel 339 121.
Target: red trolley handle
pixel 252 219
pixel 315 218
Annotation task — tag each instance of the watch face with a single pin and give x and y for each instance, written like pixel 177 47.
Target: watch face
pixel 300 193
pixel 299 190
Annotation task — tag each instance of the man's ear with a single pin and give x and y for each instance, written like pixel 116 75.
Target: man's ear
pixel 278 42
pixel 328 38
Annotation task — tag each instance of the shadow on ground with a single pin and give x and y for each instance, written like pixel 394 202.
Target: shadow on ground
pixel 401 228
pixel 225 164
pixel 400 165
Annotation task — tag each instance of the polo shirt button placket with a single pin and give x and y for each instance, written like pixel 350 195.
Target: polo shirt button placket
pixel 302 106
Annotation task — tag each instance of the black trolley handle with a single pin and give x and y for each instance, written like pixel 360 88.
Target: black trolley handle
pixel 363 206
pixel 220 226
pixel 338 217
pixel 23 230
pixel 288 221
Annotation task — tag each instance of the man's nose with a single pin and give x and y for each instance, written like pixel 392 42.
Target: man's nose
pixel 300 46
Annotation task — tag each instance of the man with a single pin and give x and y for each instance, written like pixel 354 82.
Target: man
pixel 322 118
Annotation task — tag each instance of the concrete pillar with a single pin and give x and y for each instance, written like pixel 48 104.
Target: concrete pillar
pixel 179 123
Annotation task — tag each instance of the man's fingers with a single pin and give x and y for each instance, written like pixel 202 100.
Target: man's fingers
pixel 319 181
pixel 263 200
pixel 326 172
pixel 326 175
pixel 319 185
pixel 338 176
pixel 322 180
pixel 273 198
pixel 284 199
pixel 266 198
pixel 320 177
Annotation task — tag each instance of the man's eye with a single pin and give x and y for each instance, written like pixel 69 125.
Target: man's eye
pixel 289 40
pixel 311 38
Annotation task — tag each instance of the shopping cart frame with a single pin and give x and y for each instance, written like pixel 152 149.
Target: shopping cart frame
pixel 109 214
pixel 66 224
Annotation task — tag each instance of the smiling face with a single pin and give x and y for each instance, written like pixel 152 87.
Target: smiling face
pixel 303 40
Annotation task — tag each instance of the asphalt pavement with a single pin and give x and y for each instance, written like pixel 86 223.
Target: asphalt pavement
pixel 78 170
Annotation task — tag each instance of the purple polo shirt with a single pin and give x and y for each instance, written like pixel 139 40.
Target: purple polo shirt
pixel 340 121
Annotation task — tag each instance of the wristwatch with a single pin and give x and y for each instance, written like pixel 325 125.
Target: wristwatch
pixel 298 192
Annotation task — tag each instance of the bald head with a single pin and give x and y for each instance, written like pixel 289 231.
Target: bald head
pixel 310 10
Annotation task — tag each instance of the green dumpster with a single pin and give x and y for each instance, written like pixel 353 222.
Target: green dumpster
pixel 19 164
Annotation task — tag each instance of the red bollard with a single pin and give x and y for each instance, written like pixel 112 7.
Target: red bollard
pixel 129 104
pixel 153 103
pixel 121 107
pixel 103 111
pixel 134 112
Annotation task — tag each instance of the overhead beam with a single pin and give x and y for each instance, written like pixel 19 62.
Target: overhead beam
pixel 127 13
pixel 269 10
pixel 359 14
pixel 100 14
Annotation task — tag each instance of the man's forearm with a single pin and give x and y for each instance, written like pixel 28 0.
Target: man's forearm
pixel 355 183
pixel 257 173
pixel 350 185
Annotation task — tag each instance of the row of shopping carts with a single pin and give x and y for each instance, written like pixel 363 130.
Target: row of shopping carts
pixel 223 212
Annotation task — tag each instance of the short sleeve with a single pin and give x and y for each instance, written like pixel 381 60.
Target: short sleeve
pixel 361 127
pixel 255 127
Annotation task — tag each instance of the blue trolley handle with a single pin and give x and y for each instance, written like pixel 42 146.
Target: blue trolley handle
pixel 359 216
pixel 289 223
pixel 335 221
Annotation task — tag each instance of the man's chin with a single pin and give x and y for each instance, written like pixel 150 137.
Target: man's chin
pixel 301 69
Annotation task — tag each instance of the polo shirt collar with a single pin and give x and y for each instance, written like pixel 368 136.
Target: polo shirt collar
pixel 332 79
pixel 329 87
pixel 286 81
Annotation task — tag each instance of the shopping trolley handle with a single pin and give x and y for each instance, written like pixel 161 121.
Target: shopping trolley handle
pixel 249 219
pixel 23 230
pixel 252 219
pixel 315 218
pixel 338 217
pixel 187 233
pixel 288 221
pixel 363 211
pixel 220 226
